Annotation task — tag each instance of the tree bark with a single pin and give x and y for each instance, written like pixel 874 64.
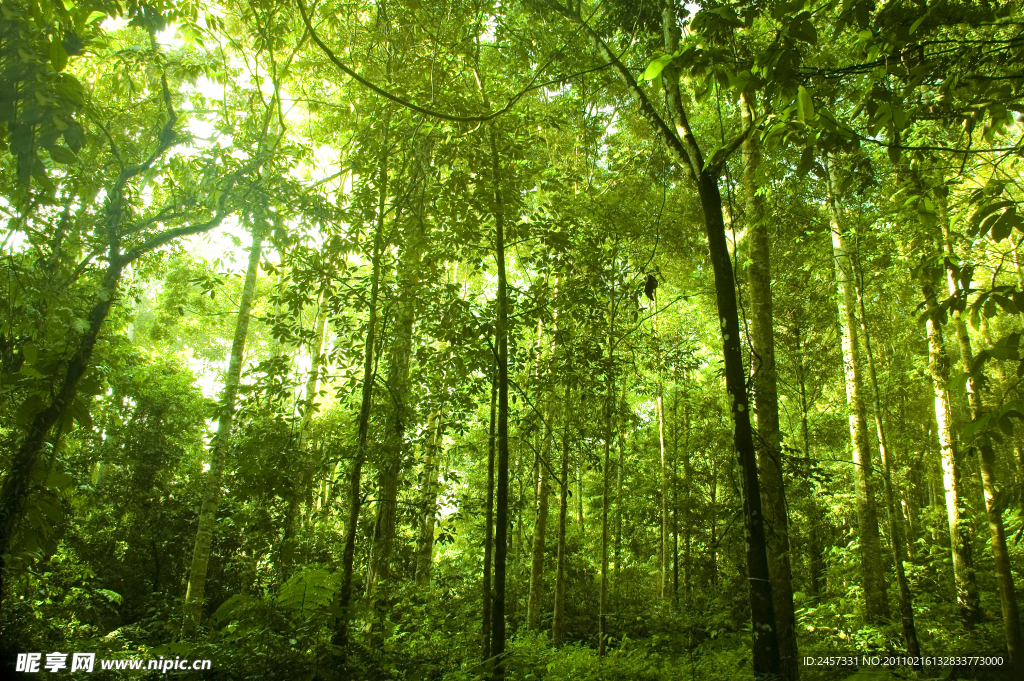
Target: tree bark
pixel 659 407
pixel 378 576
pixel 814 548
pixel 986 462
pixel 619 473
pixel 558 617
pixel 425 541
pixel 683 147
pixel 609 408
pixel 535 601
pixel 309 407
pixel 872 575
pixel 488 595
pixel 938 366
pixel 343 597
pixel 580 471
pixel 221 442
pixel 501 502
pixel 895 520
pixel 766 403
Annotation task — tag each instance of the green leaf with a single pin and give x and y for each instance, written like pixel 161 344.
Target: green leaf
pixel 985 211
pixel 806 161
pixel 59 480
pixel 1006 425
pixel 917 24
pixel 804 104
pixel 987 224
pixel 58 55
pixel 30 353
pixel 655 68
pixel 802 29
pixel 1005 223
pixel 63 155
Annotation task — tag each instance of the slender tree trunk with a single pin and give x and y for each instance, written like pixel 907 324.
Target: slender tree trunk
pixel 938 365
pixel 683 147
pixel 620 468
pixel 395 425
pixel 894 517
pixel 675 494
pixel 501 511
pixel 713 511
pixel 535 602
pixel 425 542
pixel 581 466
pixel 766 403
pixel 814 549
pixel 912 503
pixel 872 573
pixel 659 407
pixel 609 408
pixel 343 598
pixel 488 595
pixel 1019 460
pixel 558 618
pixel 221 442
pixel 986 462
pixel 309 407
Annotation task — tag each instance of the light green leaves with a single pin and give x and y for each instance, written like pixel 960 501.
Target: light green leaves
pixel 655 68
pixel 804 105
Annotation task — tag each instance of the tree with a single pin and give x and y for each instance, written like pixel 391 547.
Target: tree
pixel 222 440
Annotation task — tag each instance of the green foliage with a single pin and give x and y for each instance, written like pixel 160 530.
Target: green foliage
pixel 119 146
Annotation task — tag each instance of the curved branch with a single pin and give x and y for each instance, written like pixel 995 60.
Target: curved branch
pixel 423 110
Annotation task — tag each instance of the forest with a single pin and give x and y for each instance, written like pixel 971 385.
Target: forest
pixel 464 340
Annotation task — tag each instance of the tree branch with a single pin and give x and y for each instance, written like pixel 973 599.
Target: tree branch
pixel 423 110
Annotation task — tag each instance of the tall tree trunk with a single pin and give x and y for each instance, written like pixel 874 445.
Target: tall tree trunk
pixel 766 403
pixel 938 366
pixel 620 471
pixel 659 407
pixel 308 408
pixel 581 466
pixel 535 600
pixel 814 548
pixel 558 618
pixel 675 494
pixel 221 441
pixel 609 408
pixel 686 152
pixel 399 414
pixel 620 466
pixel 425 541
pixel 378 576
pixel 343 597
pixel 872 573
pixel 488 595
pixel 501 510
pixel 893 512
pixel 986 462
pixel 536 596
